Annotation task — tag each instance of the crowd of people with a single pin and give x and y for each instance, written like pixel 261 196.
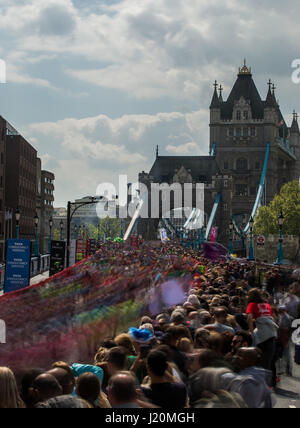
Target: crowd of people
pixel 225 345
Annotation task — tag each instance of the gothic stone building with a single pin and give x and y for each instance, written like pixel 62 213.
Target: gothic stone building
pixel 240 129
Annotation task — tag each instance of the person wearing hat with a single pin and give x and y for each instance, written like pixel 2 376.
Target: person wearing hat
pixel 142 344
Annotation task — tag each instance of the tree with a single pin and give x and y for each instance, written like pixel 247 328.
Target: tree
pixel 111 227
pixel 266 221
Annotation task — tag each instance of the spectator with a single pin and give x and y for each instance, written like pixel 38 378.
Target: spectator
pixel 206 390
pixel 161 392
pixel 45 387
pixel 88 388
pixel 122 391
pixel 63 373
pixel 251 382
pixel 266 331
pixel 220 326
pixel 63 402
pixel 27 387
pixel 9 395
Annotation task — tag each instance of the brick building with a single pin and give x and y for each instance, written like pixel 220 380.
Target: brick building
pixel 47 199
pixel 21 182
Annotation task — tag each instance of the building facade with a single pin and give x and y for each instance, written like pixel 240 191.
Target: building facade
pixel 3 214
pixel 47 200
pixel 21 183
pixel 241 129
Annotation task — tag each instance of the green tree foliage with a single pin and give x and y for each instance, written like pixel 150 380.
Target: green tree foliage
pixel 266 221
pixel 111 227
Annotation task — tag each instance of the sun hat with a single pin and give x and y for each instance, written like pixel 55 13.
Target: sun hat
pixel 140 335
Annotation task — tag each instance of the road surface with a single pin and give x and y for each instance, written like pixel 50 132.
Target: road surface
pixel 288 396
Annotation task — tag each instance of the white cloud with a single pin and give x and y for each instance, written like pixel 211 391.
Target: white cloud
pixel 152 49
pixel 188 149
pixel 97 149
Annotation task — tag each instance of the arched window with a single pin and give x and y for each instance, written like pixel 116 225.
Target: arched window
pixel 238 115
pixel 241 164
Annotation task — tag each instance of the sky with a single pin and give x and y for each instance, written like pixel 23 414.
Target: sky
pixel 95 86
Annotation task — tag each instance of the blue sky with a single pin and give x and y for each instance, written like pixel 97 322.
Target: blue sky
pixel 96 85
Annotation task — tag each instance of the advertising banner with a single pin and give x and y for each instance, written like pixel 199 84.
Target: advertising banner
pixel 93 246
pixel 17 270
pixel 81 249
pixel 57 257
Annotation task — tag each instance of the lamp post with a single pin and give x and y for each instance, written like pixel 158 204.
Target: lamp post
pixel 230 249
pixel 50 235
pixel 61 229
pixel 36 244
pixel 18 216
pixel 280 248
pixel 251 251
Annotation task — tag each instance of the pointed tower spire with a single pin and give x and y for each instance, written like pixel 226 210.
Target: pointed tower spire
pixel 220 93
pixel 295 126
pixel 215 103
pixel 271 99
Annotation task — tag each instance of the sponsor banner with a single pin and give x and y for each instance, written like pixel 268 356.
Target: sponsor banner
pixel 81 249
pixel 17 271
pixel 57 257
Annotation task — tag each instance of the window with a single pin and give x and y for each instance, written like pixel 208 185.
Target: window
pixel 246 132
pixel 241 190
pixel 257 165
pixel 253 132
pixel 225 183
pixel 238 132
pixel 231 132
pixel 241 164
pixel 225 207
pixel 238 115
pixel 246 115
pixel 226 165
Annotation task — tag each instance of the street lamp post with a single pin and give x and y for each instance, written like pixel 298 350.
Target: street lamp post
pixel 251 251
pixel 230 249
pixel 50 235
pixel 18 216
pixel 61 229
pixel 280 248
pixel 36 244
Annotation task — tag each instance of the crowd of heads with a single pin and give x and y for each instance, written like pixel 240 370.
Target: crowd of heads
pixel 200 353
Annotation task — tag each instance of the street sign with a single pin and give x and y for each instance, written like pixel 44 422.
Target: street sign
pixel 17 271
pixel 57 257
pixel 261 240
